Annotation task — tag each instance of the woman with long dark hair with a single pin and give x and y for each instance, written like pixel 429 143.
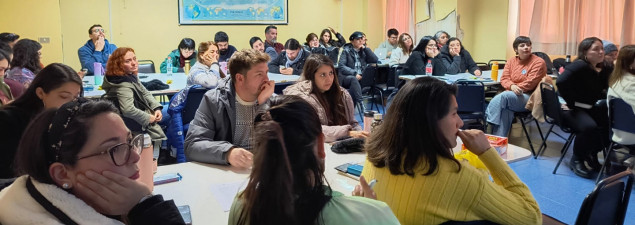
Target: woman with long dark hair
pixel 326 38
pixel 26 62
pixel 333 103
pixel 54 85
pixel 425 50
pixel 287 184
pixel 410 156
pixel 457 59
pixel 582 84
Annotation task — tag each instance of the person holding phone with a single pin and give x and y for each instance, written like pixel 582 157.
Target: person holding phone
pixel 291 60
pixel 410 155
pixel 287 183
pixel 78 165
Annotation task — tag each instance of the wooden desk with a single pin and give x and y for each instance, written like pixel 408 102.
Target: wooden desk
pixel 195 189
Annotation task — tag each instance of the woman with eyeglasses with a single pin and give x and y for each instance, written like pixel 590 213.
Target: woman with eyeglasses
pixel 26 62
pixel 287 183
pixel 185 51
pixel 55 85
pixel 138 107
pixel 333 103
pixel 425 50
pixel 401 54
pixel 78 165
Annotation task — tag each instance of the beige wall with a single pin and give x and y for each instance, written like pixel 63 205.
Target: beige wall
pixel 151 26
pixel 484 25
pixel 33 19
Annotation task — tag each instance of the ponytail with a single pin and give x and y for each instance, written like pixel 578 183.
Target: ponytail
pixel 286 185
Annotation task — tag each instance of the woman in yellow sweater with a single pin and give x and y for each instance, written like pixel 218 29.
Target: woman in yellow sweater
pixel 410 156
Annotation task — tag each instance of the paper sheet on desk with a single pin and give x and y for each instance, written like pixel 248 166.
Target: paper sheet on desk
pixel 225 193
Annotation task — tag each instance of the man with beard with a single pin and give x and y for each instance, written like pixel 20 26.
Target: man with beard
pixel 97 49
pixel 223 127
pixel 271 35
pixel 225 50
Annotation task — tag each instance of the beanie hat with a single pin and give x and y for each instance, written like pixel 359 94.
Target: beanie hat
pixel 609 47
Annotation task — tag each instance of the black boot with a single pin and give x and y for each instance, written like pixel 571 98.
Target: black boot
pixel 579 168
pixel 592 161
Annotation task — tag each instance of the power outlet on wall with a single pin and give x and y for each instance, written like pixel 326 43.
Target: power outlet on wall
pixel 44 40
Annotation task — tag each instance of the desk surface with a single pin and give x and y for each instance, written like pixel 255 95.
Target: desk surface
pixel 195 189
pixel 179 81
pixel 486 77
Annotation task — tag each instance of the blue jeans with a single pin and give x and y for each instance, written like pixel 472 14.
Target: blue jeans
pixel 500 111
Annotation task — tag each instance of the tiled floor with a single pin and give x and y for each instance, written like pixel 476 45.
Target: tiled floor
pixel 559 195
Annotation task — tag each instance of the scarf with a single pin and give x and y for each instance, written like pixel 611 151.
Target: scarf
pixel 297 58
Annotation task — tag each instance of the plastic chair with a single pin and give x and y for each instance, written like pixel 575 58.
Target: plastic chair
pixel 471 100
pixel 146 66
pixel 621 117
pixel 501 63
pixel 607 203
pixel 547 61
pixel 553 115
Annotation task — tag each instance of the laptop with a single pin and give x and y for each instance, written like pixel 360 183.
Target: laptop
pixel 381 53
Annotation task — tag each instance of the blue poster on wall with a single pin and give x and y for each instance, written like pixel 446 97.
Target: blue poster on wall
pixel 233 12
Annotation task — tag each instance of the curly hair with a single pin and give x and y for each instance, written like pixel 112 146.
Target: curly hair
pixel 25 55
pixel 114 67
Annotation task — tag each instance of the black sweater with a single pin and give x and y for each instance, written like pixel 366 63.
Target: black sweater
pixel 581 83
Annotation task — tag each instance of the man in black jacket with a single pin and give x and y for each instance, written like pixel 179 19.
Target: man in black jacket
pixel 354 60
pixel 291 60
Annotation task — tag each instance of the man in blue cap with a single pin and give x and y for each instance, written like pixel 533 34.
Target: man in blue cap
pixel 354 60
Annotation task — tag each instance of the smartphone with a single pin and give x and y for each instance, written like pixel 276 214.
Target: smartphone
pixel 185 213
pixel 343 168
pixel 143 76
pixel 282 67
pixel 84 70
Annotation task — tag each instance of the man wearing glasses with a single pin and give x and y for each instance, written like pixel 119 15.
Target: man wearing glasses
pixel 97 49
pixel 391 43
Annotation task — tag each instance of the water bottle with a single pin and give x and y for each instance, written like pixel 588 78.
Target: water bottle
pixel 495 71
pixel 429 68
pixel 378 120
pixel 169 66
pixel 169 69
pixel 186 69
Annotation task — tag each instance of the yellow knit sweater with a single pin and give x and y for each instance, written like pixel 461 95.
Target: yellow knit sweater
pixel 466 195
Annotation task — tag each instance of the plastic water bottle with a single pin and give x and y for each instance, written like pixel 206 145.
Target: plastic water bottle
pixel 169 69
pixel 169 66
pixel 429 68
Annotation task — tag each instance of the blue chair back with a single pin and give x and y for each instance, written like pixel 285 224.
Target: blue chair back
pixel 194 97
pixel 621 115
pixel 470 96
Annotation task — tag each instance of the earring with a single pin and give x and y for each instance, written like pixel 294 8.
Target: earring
pixel 66 186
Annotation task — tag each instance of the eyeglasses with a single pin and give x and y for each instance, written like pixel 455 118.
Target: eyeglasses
pixel 120 153
pixel 99 30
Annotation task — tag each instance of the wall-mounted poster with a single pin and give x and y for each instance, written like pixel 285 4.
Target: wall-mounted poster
pixel 233 12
